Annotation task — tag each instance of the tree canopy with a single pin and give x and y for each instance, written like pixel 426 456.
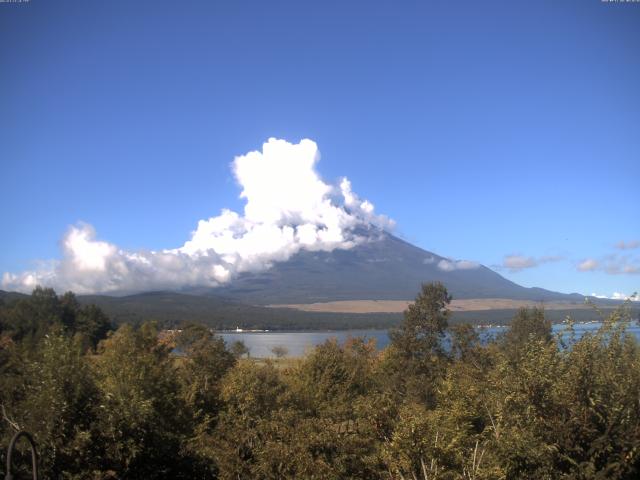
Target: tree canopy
pixel 437 403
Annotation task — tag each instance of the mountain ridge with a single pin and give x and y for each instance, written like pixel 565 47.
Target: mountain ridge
pixel 382 268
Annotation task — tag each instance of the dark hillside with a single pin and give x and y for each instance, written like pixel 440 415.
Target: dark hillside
pixel 385 268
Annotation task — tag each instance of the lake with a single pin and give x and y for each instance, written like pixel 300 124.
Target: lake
pixel 299 342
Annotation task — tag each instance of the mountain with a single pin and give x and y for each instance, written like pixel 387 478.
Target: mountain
pixel 383 268
pixel 8 297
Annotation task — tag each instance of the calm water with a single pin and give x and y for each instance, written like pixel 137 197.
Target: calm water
pixel 297 343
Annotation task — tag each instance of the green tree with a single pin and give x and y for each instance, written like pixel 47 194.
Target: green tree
pixel 464 341
pixel 305 421
pixel 206 360
pixel 416 357
pixel 92 324
pixel 29 319
pixel 56 400
pixel 251 393
pixel 529 324
pixel 141 416
pixel 239 349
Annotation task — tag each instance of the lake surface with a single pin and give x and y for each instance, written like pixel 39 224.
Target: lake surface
pixel 299 342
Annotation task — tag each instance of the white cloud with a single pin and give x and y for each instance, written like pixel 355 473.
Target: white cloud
pixel 516 263
pixel 613 264
pixel 451 265
pixel 621 264
pixel 618 296
pixel 595 295
pixel 288 208
pixel 621 296
pixel 588 265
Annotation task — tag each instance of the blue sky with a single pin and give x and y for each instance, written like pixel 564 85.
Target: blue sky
pixel 484 129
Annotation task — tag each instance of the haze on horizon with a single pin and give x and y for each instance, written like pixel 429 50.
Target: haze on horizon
pixel 131 139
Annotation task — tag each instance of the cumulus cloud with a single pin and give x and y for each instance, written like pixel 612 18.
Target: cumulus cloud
pixel 448 265
pixel 288 208
pixel 516 263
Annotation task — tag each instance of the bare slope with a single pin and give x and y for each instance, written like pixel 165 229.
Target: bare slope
pixel 399 306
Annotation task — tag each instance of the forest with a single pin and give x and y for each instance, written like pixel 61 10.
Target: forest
pixel 134 402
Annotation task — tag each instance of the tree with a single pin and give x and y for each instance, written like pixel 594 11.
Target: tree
pixel 29 319
pixel 92 324
pixel 56 400
pixel 239 349
pixel 528 325
pixel 251 393
pixel 464 341
pixel 206 360
pixel 280 351
pixel 142 416
pixel 417 357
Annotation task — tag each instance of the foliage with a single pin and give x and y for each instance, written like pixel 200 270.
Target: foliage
pixel 529 324
pixel 239 349
pixel 28 319
pixel 436 404
pixel 53 396
pixel 417 358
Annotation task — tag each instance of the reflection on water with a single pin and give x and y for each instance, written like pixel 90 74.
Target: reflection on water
pixel 297 343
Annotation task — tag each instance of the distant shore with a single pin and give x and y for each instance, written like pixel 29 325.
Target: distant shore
pixel 457 305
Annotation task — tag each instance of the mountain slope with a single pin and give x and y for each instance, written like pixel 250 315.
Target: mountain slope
pixel 384 268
